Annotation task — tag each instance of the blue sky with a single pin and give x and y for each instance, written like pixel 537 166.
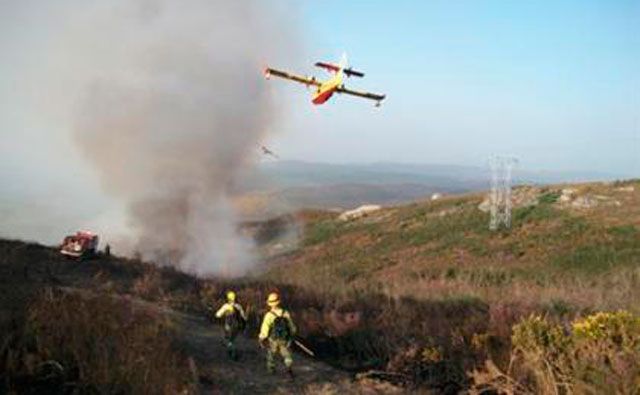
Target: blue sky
pixel 555 83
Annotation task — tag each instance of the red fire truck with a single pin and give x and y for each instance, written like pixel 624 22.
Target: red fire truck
pixel 81 245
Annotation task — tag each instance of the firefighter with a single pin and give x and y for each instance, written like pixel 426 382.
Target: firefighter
pixel 276 334
pixel 235 320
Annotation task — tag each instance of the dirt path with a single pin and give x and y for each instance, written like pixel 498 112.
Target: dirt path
pixel 217 374
pixel 203 341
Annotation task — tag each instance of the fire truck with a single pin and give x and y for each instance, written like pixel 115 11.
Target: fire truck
pixel 83 244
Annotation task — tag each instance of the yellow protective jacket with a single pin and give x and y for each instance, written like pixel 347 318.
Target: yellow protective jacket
pixel 228 308
pixel 270 317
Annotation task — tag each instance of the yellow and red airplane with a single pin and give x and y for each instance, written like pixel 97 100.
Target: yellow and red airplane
pixel 325 89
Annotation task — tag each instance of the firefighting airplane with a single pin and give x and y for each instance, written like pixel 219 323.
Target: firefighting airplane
pixel 326 89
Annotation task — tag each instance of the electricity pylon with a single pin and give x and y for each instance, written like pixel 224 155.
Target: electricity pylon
pixel 500 195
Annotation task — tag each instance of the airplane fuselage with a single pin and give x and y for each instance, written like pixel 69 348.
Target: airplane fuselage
pixel 327 89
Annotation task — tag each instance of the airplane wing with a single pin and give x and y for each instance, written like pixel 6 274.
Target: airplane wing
pixel 268 72
pixel 366 95
pixel 353 73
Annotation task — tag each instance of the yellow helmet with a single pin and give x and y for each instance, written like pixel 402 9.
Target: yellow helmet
pixel 231 296
pixel 273 300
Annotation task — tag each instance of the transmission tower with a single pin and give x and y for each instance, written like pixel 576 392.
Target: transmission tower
pixel 500 195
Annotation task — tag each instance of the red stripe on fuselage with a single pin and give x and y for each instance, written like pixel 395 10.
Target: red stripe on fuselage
pixel 322 97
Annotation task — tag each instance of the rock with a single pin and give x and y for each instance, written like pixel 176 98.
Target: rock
pixel 520 197
pixel 359 212
pixel 525 196
pixel 567 195
pixel 485 206
pixel 590 201
pixel 584 202
pixel 436 196
pixel 448 211
pixel 629 188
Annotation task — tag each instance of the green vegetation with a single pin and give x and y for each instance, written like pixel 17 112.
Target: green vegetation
pixel 448 240
pixel 538 213
pixel 615 246
pixel 628 232
pixel 555 260
pixel 321 232
pixel 600 354
pixel 549 197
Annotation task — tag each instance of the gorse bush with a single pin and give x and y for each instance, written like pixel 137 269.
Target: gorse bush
pixel 595 355
pixel 540 338
pixel 606 347
pixel 621 328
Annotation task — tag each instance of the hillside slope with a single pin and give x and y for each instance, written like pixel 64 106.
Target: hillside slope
pixel 428 292
pixel 420 295
pixel 107 287
pixel 570 244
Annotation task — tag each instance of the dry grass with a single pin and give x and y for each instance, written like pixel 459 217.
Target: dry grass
pixel 92 343
pixel 415 251
pixel 424 292
pixel 413 271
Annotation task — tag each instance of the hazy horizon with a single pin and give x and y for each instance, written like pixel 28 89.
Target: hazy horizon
pixel 596 174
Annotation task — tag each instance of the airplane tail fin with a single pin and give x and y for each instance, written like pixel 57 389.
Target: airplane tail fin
pixel 344 67
pixel 343 61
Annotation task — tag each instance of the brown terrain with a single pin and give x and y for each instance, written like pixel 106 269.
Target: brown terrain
pixel 414 298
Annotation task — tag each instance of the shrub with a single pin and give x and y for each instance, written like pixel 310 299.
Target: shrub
pixel 149 285
pixel 559 307
pixel 94 344
pixel 321 232
pixel 597 354
pixel 624 231
pixel 600 257
pixel 538 213
pixel 549 197
pixel 427 366
pixel 607 352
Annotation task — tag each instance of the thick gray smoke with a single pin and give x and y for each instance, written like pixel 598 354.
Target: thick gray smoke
pixel 173 110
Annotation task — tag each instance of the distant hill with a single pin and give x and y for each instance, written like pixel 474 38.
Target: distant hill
pixel 296 174
pixel 284 186
pixel 300 173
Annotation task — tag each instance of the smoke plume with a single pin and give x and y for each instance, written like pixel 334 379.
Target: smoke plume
pixel 171 113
